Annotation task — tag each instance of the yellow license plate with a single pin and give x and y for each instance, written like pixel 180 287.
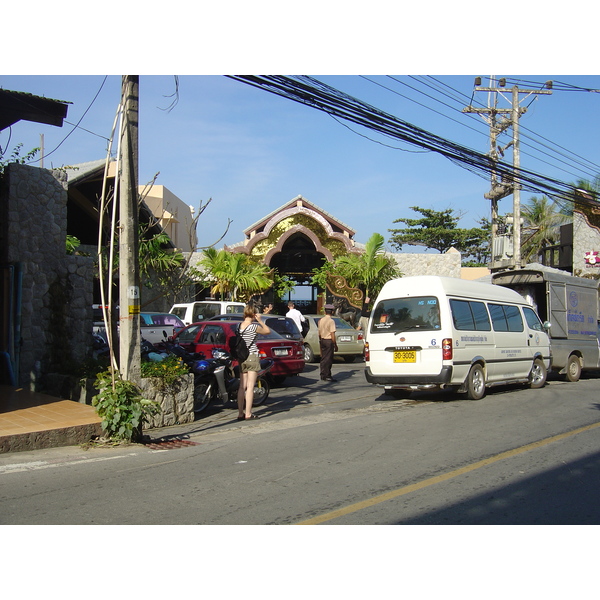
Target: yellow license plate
pixel 405 356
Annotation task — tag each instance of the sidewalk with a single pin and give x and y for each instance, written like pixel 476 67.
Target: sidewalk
pixel 32 421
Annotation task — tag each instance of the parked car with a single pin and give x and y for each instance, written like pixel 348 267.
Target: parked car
pixel 288 354
pixel 350 342
pixel 153 326
pixel 205 310
pixel 284 326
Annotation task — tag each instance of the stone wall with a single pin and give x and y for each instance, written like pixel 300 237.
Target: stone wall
pixel 443 265
pixel 57 289
pixel 176 401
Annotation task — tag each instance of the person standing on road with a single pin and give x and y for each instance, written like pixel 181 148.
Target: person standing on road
pixel 296 316
pixel 327 342
pixel 250 327
pixel 268 309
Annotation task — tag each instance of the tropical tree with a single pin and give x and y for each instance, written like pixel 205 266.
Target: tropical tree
pixel 235 274
pixel 542 219
pixel 437 230
pixel 369 270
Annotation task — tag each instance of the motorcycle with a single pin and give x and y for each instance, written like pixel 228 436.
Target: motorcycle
pixel 215 378
pixel 227 377
pixel 205 386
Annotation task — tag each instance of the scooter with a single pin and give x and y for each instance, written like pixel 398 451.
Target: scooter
pixel 228 378
pixel 205 385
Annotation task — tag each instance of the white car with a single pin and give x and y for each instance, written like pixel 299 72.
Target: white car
pixel 204 310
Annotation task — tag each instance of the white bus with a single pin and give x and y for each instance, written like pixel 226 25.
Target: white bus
pixel 431 332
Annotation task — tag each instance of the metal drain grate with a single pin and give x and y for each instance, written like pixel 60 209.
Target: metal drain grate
pixel 169 444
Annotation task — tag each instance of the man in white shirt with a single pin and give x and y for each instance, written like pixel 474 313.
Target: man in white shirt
pixel 294 314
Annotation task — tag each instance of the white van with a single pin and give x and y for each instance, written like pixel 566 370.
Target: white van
pixel 430 332
pixel 203 310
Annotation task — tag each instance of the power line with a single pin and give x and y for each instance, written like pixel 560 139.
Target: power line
pixel 590 169
pixel 313 93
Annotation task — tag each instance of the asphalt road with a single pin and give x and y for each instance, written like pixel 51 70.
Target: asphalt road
pixel 335 453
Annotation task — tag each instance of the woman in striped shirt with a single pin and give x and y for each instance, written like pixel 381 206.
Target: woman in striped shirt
pixel 250 327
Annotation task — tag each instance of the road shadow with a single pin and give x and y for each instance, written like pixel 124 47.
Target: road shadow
pixel 565 495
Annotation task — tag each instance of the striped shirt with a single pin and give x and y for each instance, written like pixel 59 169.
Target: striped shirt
pixel 249 336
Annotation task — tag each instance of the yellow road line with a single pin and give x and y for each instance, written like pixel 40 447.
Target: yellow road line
pixel 444 477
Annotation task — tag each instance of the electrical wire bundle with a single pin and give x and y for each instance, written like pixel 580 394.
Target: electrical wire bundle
pixel 316 94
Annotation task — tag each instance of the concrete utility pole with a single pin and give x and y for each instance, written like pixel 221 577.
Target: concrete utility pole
pixel 129 274
pixel 504 188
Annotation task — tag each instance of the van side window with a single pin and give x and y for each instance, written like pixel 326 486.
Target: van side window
pixel 532 319
pixel 471 316
pixel 513 317
pixel 498 317
pixel 506 317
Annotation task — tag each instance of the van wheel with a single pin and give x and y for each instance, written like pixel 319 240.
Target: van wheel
pixel 475 383
pixel 538 374
pixel 573 368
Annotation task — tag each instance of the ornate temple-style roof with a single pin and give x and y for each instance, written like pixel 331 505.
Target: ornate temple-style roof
pixel 300 205
pixel 328 235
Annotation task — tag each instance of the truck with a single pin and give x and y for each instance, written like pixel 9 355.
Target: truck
pixel 569 307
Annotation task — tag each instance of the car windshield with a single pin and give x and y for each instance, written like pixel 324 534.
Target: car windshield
pixel 339 323
pixel 282 325
pixel 405 314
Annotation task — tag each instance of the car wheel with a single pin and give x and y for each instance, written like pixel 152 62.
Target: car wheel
pixel 309 355
pixel 538 374
pixel 573 368
pixel 476 383
pixel 261 391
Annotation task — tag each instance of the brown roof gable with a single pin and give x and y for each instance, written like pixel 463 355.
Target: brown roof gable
pixel 20 106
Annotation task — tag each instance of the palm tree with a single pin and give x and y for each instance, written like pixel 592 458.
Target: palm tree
pixel 235 274
pixel 541 227
pixel 370 269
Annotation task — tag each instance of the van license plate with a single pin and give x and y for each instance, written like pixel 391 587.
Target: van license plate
pixel 405 356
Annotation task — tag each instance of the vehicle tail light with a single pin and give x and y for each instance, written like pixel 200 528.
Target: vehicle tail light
pixel 262 353
pixel 367 354
pixel 360 335
pixel 447 349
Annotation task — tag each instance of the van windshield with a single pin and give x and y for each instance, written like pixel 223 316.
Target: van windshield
pixel 404 314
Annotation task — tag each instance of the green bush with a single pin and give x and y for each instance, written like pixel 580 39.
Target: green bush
pixel 169 369
pixel 121 407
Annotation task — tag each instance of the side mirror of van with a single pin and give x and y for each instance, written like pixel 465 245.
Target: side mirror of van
pixel 547 325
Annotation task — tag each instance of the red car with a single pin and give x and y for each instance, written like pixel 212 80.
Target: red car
pixel 203 337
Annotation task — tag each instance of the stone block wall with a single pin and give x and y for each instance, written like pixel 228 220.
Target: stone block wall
pixel 176 401
pixel 443 265
pixel 57 289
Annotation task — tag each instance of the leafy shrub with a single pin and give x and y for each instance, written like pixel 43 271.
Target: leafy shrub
pixel 169 369
pixel 121 407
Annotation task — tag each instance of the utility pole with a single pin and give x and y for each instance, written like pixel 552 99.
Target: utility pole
pixel 501 119
pixel 129 275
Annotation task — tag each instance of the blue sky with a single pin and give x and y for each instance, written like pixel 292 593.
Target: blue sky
pixel 251 151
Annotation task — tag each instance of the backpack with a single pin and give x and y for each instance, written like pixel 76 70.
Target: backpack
pixel 237 347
